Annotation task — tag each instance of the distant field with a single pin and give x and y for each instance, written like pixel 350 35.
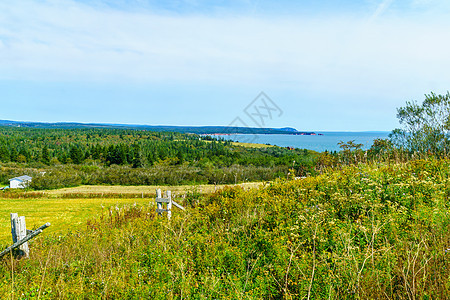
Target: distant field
pixel 252 145
pixel 64 212
pixel 98 189
pixel 249 145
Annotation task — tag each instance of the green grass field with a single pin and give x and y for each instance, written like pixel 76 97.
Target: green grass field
pixel 61 213
pixel 71 207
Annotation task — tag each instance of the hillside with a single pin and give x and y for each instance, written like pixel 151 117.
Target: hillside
pixel 157 128
pixel 364 232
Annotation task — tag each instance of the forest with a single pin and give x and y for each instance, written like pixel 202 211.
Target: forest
pixel 68 157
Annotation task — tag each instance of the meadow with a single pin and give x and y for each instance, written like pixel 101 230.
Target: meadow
pixel 62 213
pixel 72 207
pixel 367 231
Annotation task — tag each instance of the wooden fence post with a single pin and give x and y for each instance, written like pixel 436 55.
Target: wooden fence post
pixel 167 199
pixel 21 236
pixel 19 231
pixel 158 204
pixel 169 205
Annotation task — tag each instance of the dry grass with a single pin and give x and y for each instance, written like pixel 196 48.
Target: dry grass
pixel 249 145
pixel 252 145
pixel 98 189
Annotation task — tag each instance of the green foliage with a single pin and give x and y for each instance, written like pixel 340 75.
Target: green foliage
pixel 76 155
pixel 425 126
pixel 363 232
pixel 132 157
pixel 350 151
pixel 45 155
pixel 57 178
pixel 168 172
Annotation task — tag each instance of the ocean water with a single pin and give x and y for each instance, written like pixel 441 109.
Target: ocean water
pixel 328 141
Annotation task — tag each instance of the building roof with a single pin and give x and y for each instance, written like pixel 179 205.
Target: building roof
pixel 22 178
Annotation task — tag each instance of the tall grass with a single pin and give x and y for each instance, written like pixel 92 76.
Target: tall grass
pixel 364 232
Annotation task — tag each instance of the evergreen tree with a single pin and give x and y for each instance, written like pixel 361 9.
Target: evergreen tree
pixel 137 156
pixel 180 156
pixel 76 155
pixel 45 155
pixel 14 154
pixel 4 154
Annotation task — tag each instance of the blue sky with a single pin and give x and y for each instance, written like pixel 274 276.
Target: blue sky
pixel 329 65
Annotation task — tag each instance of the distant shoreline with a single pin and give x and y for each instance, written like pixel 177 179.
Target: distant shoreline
pixel 267 133
pixel 201 130
pixel 328 141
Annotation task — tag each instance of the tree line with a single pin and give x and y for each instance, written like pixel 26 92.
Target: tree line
pixel 121 156
pixel 131 148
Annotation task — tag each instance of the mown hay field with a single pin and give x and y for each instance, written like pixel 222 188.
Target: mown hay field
pixel 118 189
pixel 252 145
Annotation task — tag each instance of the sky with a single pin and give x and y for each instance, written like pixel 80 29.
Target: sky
pixel 326 65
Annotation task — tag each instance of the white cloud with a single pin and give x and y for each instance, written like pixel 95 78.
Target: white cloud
pixel 382 7
pixel 65 40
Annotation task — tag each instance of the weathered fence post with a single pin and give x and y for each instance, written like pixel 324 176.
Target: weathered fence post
pixel 168 199
pixel 158 204
pixel 169 204
pixel 21 235
pixel 18 232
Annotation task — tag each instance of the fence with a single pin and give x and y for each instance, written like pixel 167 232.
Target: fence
pixel 167 200
pixel 21 236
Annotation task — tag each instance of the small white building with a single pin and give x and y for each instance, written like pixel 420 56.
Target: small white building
pixel 20 182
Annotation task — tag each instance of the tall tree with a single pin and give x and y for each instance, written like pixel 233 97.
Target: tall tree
pixel 45 155
pixel 76 155
pixel 4 154
pixel 425 126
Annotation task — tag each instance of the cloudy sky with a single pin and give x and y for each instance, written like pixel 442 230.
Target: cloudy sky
pixel 328 65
